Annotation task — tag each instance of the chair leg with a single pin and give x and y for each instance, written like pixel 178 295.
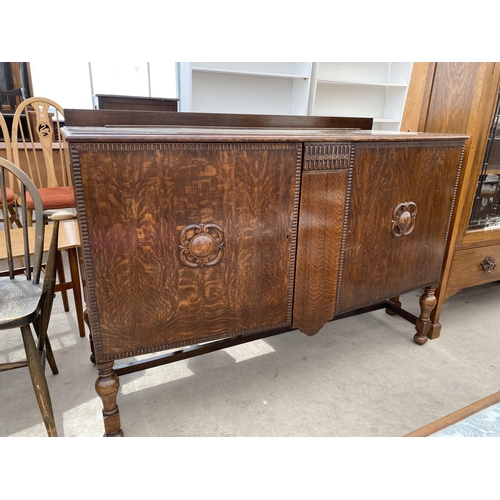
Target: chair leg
pixel 39 381
pixel 50 357
pixel 49 282
pixel 77 289
pixel 44 344
pixel 62 280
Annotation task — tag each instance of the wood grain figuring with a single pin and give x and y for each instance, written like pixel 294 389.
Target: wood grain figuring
pixel 134 202
pixel 415 97
pixel 262 263
pixel 377 265
pixel 452 97
pixel 318 249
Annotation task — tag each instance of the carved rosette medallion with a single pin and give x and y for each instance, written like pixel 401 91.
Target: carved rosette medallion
pixel 403 219
pixel 488 264
pixel 201 245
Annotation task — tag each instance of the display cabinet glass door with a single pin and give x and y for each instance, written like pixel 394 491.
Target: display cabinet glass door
pixel 486 208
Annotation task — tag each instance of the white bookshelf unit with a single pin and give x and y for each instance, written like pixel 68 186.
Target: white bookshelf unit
pixel 372 90
pixel 280 88
pixel 375 90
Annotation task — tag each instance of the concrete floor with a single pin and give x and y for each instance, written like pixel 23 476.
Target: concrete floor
pixel 360 376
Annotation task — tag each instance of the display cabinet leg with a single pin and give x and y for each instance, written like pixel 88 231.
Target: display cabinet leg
pixel 107 386
pixel 435 329
pixel 423 324
pixel 397 302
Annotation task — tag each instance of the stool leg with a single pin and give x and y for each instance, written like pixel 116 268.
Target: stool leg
pixel 62 280
pixel 39 381
pixel 77 289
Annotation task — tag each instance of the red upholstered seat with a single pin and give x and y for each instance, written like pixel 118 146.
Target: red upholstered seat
pixel 11 196
pixel 54 197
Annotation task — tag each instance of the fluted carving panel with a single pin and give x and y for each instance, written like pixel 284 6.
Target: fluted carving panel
pixel 327 156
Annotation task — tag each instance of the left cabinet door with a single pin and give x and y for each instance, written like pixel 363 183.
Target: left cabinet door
pixel 186 243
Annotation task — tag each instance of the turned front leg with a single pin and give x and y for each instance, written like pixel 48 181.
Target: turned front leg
pixel 107 386
pixel 423 324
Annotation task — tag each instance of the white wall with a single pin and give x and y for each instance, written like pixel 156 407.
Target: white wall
pixel 66 82
pixel 71 84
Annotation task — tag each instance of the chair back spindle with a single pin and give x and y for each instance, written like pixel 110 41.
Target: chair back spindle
pixel 11 183
pixel 40 149
pixel 8 242
pixel 32 256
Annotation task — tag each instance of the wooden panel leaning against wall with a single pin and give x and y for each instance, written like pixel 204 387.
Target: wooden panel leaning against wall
pixel 459 97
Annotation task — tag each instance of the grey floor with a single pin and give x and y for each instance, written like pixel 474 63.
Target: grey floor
pixel 360 376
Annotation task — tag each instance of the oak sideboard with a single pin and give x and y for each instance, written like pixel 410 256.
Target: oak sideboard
pixel 197 238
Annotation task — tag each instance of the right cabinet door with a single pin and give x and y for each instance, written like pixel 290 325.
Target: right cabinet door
pixel 400 208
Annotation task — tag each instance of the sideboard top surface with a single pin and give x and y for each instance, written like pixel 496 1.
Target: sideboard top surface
pixel 223 134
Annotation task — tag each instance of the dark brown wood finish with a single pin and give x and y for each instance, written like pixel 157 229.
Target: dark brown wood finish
pixel 103 118
pixel 327 172
pixel 146 196
pixel 378 263
pixel 140 103
pixel 12 99
pixel 196 234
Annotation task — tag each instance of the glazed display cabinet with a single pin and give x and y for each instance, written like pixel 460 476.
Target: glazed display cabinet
pixel 486 207
pixel 464 98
